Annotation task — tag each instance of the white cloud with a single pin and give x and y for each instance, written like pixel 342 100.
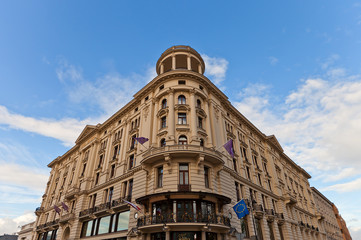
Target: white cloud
pixel 329 61
pixel 354 185
pixel 66 130
pixel 318 124
pixel 10 225
pixel 216 68
pixel 273 60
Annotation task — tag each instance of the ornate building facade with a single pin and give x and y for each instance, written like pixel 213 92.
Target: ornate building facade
pixel 183 179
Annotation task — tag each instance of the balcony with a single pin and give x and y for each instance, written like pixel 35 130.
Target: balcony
pixel 280 218
pixel 258 210
pixel 290 199
pixel 104 209
pixel 67 217
pixel 155 153
pixel 184 187
pixel 48 226
pixel 38 211
pixel 186 217
pixel 270 214
pixel 72 192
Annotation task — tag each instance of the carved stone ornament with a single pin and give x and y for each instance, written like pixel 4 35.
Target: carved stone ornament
pixel 146 112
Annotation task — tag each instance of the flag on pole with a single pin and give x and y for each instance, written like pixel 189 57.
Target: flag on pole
pixel 241 209
pixel 133 205
pixel 57 210
pixel 142 140
pixel 65 207
pixel 229 147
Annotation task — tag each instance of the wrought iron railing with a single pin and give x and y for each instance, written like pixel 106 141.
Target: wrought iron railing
pixel 184 187
pixel 183 218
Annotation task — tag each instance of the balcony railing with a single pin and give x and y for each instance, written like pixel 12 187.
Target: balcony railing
pixel 184 187
pixel 48 224
pixel 155 150
pixel 184 218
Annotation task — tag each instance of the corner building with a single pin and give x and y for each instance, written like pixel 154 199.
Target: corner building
pixel 183 179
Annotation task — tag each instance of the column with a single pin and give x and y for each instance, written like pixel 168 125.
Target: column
pixel 155 122
pixel 209 142
pixel 212 121
pixel 203 234
pixel 173 62
pixel 200 68
pixel 189 66
pixel 193 117
pixel 161 68
pixel 171 120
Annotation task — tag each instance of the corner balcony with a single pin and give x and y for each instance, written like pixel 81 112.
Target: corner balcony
pixel 38 211
pixel 178 221
pixel 154 154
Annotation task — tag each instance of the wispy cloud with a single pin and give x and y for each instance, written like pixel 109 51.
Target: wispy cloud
pixel 354 185
pixel 216 68
pixel 66 130
pixel 273 60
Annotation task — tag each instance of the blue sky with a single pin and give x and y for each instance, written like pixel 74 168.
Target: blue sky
pixel 291 67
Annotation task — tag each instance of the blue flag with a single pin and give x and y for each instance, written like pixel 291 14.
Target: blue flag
pixel 241 209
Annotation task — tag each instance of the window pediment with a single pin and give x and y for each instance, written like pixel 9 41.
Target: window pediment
pixel 162 112
pixel 201 112
pixel 182 107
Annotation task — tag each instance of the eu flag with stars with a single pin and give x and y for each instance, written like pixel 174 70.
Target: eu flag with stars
pixel 241 209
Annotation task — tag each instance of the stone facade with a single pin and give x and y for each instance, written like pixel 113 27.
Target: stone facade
pixel 183 179
pixel 342 224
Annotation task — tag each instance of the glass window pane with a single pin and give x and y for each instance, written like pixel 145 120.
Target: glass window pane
pixel 186 178
pixel 123 220
pixel 104 225
pixel 89 228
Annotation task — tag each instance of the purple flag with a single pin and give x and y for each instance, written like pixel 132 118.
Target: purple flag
pixel 141 140
pixel 57 210
pixel 229 147
pixel 65 207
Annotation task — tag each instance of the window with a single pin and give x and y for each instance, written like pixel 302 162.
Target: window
pixel 136 109
pixel 115 153
pixel 125 189
pixel 248 174
pixel 112 171
pixel 97 179
pixel 183 174
pixel 182 140
pixel 130 189
pixel 162 142
pixel 110 194
pixel 160 177
pixel 164 103
pixel 199 103
pixel 133 142
pixel 182 118
pixel 201 142
pixel 181 82
pixel 200 87
pixel 163 122
pixel 200 122
pixel 235 164
pixel 181 99
pixel 161 87
pixel 146 98
pixel 100 161
pixel 237 192
pixel 131 161
pixel 206 177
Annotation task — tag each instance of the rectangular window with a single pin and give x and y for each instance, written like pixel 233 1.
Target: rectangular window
pixel 112 171
pixel 237 192
pixel 83 172
pixel 160 177
pixel 133 142
pixel 163 122
pixel 123 221
pixel 182 118
pixel 206 177
pixel 130 189
pixel 200 123
pixel 124 189
pixel 104 224
pixel 110 194
pixel 235 164
pixel 183 174
pixel 269 185
pixel 131 161
pixel 100 161
pixel 181 82
pixel 94 198
pixel 248 174
pixel 97 179
pixel 115 153
pixel 259 179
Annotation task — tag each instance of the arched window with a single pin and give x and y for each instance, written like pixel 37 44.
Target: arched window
pixel 181 99
pixel 199 103
pixel 162 142
pixel 164 103
pixel 201 142
pixel 182 140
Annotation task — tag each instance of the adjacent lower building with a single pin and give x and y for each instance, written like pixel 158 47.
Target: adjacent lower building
pixel 328 224
pixel 27 231
pixel 342 224
pixel 163 152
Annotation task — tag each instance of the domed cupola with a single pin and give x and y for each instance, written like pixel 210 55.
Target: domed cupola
pixel 180 58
